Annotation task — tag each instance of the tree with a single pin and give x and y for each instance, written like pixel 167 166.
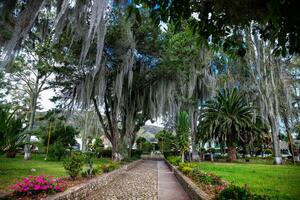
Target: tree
pixel 166 141
pixel 31 70
pixel 61 132
pixel 182 133
pixel 220 21
pixel 225 117
pixel 185 64
pixel 140 143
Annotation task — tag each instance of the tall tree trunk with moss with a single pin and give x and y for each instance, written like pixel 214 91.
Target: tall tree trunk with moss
pixel 33 106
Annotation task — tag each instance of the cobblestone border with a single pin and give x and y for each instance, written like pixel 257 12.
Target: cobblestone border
pixel 83 190
pixel 194 192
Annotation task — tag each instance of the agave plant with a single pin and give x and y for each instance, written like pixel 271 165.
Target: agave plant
pixel 226 117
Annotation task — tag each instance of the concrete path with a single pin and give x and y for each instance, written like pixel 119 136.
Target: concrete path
pixel 148 180
pixel 168 186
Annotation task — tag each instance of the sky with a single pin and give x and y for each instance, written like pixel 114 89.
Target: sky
pixel 46 95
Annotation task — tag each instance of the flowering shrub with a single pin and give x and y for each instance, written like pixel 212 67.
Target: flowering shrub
pixel 39 184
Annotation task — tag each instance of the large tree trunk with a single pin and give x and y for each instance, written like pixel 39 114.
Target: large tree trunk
pixel 182 156
pixel 275 138
pixel 195 155
pixel 27 147
pixel 247 152
pixel 231 149
pixel 85 131
pixel 287 128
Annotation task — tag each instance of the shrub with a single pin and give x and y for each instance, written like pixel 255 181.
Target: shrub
pixel 187 170
pixel 268 151
pixel 211 150
pixel 201 177
pixel 56 151
pixel 35 185
pixel 136 153
pixel 106 153
pixel 109 167
pixel 90 173
pixel 170 153
pixel 73 164
pixel 174 160
pixel 236 193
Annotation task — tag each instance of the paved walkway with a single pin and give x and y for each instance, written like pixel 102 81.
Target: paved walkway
pixel 168 186
pixel 148 180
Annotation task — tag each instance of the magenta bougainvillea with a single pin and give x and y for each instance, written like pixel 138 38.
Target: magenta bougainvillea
pixel 39 184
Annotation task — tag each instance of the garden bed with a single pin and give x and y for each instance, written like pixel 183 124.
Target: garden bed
pixel 210 184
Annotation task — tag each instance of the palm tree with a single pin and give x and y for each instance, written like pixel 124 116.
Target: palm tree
pixel 225 117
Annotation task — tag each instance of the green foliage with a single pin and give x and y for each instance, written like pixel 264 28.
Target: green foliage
pixel 237 193
pixel 105 153
pixel 229 116
pixel 268 151
pixel 73 164
pixel 276 21
pixel 185 169
pixel 60 132
pixel 6 35
pixel 135 153
pixel 56 151
pixel 182 132
pixel 11 131
pixel 109 167
pixel 147 147
pixel 174 160
pixel 166 141
pixel 140 142
pixel 89 160
pixel 211 150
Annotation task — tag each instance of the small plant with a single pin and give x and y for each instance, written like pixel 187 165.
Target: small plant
pixel 236 193
pixel 91 170
pixel 211 150
pixel 187 170
pixel 35 185
pixel 56 151
pixel 73 164
pixel 174 160
pixel 109 167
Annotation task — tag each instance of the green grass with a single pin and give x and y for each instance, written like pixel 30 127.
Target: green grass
pixel 278 182
pixel 14 169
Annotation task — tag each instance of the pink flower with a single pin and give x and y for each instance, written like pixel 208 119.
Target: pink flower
pixel 44 187
pixel 36 187
pixel 56 188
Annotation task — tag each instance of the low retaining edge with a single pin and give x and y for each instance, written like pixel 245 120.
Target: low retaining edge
pixel 83 190
pixel 194 192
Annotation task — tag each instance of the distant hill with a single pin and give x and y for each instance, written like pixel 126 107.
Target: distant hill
pixel 149 132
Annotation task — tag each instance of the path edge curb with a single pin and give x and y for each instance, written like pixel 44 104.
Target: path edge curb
pixel 83 190
pixel 194 192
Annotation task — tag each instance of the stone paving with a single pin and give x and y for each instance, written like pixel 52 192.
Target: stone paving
pixel 150 180
pixel 137 183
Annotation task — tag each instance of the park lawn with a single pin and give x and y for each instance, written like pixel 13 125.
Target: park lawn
pixel 14 169
pixel 278 182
